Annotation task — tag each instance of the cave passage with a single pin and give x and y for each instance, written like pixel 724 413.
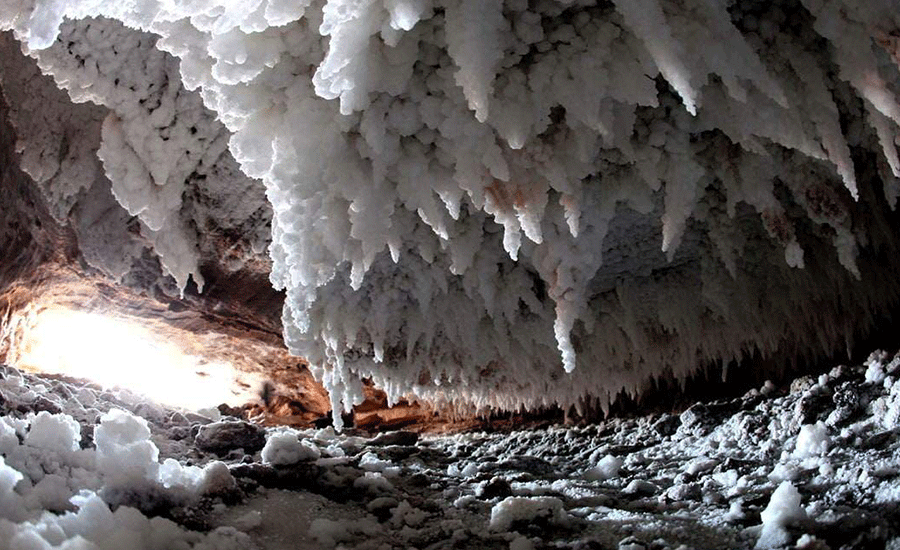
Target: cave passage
pixel 444 274
pixel 119 352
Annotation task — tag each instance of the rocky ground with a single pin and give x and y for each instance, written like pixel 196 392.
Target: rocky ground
pixel 815 465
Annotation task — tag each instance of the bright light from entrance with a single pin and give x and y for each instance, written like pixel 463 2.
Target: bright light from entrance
pixel 117 352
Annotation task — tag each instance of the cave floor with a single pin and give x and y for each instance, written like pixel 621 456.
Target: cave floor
pixel 814 465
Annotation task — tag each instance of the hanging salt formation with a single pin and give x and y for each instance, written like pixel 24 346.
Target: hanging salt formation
pixel 505 204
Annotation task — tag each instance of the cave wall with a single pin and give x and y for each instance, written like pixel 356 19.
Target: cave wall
pixel 59 190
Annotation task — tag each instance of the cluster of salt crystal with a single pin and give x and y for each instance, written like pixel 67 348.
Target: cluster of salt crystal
pixel 443 186
pixel 607 468
pixel 130 146
pixel 783 510
pixel 813 440
pixel 285 448
pixel 512 509
pixel 49 470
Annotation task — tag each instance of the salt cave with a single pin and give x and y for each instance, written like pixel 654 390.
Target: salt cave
pixel 456 209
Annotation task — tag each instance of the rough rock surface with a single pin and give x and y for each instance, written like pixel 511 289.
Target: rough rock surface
pixel 230 435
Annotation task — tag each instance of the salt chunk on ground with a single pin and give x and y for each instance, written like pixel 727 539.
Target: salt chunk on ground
pixel 785 471
pixel 607 468
pixel 875 372
pixel 8 438
pixel 216 479
pixel 54 432
pixel 9 477
pixel 812 441
pixel 735 512
pixel 173 474
pixel 530 509
pixel 640 487
pixel 284 448
pixel 471 470
pixel 700 465
pixel 784 509
pixel 371 463
pixel 125 453
pixel 727 479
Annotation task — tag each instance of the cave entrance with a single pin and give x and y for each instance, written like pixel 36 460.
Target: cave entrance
pixel 115 351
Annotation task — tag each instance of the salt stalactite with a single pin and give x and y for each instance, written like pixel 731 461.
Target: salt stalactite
pixel 135 140
pixel 519 203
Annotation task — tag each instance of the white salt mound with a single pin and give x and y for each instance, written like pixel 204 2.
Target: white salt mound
pixel 783 510
pixel 286 448
pixel 125 454
pixel 607 468
pixel 812 441
pixel 54 432
pixel 512 509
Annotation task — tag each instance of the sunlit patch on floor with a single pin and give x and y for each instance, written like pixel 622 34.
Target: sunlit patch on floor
pixel 119 352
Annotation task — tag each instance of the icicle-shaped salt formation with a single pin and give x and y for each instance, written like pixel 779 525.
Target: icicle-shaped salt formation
pixel 521 203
